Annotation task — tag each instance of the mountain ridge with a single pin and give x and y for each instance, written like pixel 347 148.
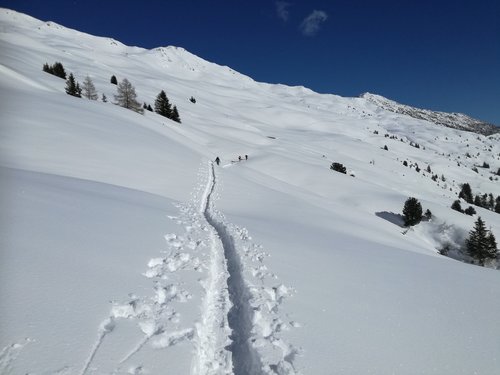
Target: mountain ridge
pixel 449 119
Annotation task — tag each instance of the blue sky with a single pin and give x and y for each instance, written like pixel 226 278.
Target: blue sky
pixel 442 55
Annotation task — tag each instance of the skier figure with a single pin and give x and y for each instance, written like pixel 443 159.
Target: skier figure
pixel 246 157
pixel 217 160
pixel 239 158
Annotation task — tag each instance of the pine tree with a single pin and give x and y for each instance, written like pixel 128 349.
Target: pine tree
pixel 162 105
pixel 58 70
pixel 466 193
pixel 175 115
pixel 457 206
pixel 72 87
pixel 412 212
pixel 113 80
pixel 477 201
pixel 497 205
pixel 126 96
pixel 481 243
pixel 89 90
pixel 78 90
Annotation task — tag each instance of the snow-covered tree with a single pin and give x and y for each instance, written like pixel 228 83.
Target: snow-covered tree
pixel 412 212
pixel 88 89
pixel 481 244
pixel 126 96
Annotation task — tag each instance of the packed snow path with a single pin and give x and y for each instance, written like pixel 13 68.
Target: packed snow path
pixel 245 359
pixel 238 329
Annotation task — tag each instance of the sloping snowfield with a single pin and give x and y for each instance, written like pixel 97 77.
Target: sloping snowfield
pixel 126 250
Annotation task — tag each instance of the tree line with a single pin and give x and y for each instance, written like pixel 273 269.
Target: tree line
pixel 125 96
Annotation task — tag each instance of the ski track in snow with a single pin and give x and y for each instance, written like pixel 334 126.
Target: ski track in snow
pixel 238 331
pixel 9 354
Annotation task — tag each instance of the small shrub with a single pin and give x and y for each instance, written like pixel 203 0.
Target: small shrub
pixel 470 211
pixel 428 214
pixel 338 167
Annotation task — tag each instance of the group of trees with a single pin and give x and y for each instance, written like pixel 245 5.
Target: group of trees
pixel 56 69
pixel 480 245
pixel 487 201
pixel 125 97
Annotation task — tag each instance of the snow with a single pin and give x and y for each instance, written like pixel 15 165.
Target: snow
pixel 124 250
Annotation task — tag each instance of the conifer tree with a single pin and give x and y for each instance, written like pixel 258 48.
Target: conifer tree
pixel 78 90
pixel 412 212
pixel 466 193
pixel 72 87
pixel 162 105
pixel 175 115
pixel 481 243
pixel 58 70
pixel 457 206
pixel 126 96
pixel 89 90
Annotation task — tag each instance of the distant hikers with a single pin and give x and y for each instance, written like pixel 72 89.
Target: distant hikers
pixel 217 160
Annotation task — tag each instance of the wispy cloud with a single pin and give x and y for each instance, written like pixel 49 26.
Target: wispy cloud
pixel 282 10
pixel 310 25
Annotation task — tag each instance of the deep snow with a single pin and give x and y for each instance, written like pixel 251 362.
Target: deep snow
pixel 122 251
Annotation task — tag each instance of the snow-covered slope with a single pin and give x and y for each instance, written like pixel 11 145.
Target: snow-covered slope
pixel 124 250
pixel 450 120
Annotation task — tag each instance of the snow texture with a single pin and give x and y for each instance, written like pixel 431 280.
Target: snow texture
pixel 126 250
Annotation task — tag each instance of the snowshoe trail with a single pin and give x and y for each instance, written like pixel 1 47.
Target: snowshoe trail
pixel 238 329
pixel 253 318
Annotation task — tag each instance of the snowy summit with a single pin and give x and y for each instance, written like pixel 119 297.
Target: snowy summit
pixel 126 249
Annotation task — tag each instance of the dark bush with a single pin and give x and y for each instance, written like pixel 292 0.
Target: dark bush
pixel 338 167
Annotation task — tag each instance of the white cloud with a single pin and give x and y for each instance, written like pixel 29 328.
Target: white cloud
pixel 310 25
pixel 282 10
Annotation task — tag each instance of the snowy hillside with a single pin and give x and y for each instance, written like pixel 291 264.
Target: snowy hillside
pixel 450 120
pixel 126 250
